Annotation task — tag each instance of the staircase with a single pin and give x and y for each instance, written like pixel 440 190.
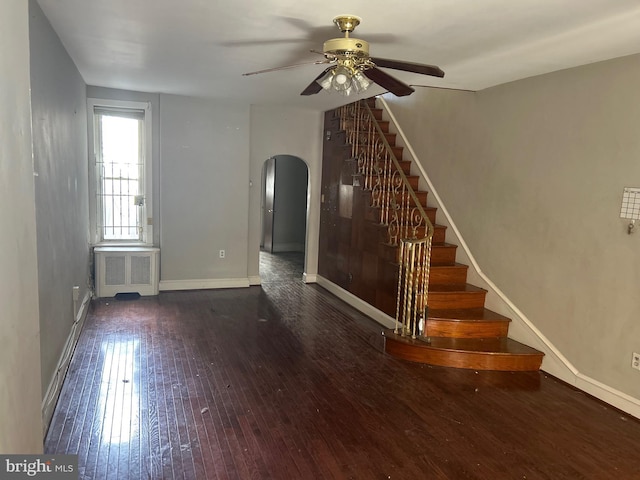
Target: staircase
pixel 459 331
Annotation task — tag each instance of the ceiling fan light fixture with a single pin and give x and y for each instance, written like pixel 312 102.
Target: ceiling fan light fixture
pixel 344 80
pixel 325 80
pixel 341 81
pixel 360 82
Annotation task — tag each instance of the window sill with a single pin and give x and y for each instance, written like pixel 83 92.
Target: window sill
pixel 122 244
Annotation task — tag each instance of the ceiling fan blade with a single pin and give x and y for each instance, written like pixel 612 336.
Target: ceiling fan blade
pixel 409 67
pixel 317 62
pixel 329 56
pixel 314 87
pixel 395 86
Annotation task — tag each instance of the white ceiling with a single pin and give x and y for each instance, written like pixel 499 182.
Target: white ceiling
pixel 202 47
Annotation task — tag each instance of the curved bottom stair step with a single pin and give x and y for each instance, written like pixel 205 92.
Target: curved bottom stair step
pixel 500 354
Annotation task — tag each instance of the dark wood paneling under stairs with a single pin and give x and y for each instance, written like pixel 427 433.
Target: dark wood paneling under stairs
pixel 355 254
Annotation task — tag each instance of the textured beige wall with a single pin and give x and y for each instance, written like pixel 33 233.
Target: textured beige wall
pixel 532 173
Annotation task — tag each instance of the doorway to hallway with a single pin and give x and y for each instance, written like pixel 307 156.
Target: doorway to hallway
pixel 284 189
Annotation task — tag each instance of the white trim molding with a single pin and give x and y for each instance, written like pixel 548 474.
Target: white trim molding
pixel 55 385
pixel 204 284
pixel 310 277
pixel 607 394
pixel 357 303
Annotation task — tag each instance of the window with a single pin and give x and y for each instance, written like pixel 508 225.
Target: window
pixel 121 167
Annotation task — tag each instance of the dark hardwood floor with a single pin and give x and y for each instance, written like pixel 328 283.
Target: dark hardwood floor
pixel 284 381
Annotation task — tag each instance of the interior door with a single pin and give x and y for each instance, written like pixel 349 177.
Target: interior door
pixel 267 214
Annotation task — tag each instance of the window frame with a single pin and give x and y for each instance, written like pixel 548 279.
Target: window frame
pixel 96 235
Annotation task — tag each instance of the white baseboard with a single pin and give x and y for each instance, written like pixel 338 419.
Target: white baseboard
pixel 310 277
pixel 55 385
pixel 255 280
pixel 607 394
pixel 204 284
pixel 357 303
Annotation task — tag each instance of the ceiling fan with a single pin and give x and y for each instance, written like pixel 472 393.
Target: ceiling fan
pixel 351 68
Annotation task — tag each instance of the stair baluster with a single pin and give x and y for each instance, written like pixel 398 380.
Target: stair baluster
pixel 400 210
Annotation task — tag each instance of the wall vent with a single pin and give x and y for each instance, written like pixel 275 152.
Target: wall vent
pixel 126 270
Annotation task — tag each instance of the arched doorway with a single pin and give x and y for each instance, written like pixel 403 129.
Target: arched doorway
pixel 284 188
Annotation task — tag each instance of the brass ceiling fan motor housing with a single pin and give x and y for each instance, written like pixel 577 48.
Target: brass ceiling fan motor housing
pixel 346 47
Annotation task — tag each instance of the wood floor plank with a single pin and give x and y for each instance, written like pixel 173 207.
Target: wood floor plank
pixel 284 381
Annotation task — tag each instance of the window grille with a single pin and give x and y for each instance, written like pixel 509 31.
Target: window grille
pixel 120 170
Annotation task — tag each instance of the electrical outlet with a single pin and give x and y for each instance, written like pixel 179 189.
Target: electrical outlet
pixel 635 361
pixel 222 253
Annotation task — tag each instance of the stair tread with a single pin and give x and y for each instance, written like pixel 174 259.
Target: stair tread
pixel 466 315
pixel 492 346
pixel 444 245
pixel 455 265
pixel 454 288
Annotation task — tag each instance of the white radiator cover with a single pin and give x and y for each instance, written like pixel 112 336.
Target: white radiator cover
pixel 126 270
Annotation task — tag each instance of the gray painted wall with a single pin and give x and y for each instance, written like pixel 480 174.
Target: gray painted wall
pixel 20 392
pixel 58 101
pixel 204 171
pixel 532 173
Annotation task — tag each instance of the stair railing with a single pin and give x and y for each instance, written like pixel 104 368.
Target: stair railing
pixel 408 226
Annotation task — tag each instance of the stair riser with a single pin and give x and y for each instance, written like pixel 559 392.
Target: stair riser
pixel 397 151
pixel 405 167
pixel 422 200
pixel 377 113
pixel 439 234
pixel 456 299
pixel 447 275
pixel 466 329
pixel 443 255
